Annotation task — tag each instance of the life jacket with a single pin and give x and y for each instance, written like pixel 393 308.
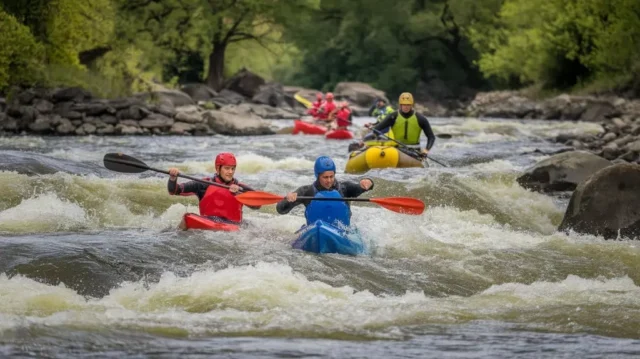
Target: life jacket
pixel 381 113
pixel 343 117
pixel 219 202
pixel 326 109
pixel 406 129
pixel 328 211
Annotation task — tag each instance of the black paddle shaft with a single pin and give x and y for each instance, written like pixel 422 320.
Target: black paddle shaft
pixel 116 158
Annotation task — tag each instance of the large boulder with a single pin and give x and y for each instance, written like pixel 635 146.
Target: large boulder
pixel 245 83
pixel 230 124
pixel 562 172
pixel 199 92
pixel 359 93
pixel 271 94
pixel 503 104
pixel 606 204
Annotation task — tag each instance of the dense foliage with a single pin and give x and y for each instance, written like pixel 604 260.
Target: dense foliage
pixel 116 46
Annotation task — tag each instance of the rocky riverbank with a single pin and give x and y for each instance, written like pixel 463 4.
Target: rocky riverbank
pixel 237 110
pixel 619 118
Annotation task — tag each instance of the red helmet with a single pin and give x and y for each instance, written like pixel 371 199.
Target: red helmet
pixel 344 104
pixel 329 96
pixel 319 95
pixel 225 159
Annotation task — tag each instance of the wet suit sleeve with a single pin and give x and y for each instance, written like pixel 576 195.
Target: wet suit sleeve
pixel 284 206
pixel 353 189
pixel 388 121
pixel 187 188
pixel 426 127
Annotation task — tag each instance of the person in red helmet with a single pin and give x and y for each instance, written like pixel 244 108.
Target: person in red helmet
pixel 326 110
pixel 315 106
pixel 216 203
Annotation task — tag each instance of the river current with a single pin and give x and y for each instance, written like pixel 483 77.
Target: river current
pixel 91 263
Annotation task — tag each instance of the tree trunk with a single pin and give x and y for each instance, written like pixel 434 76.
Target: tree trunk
pixel 215 76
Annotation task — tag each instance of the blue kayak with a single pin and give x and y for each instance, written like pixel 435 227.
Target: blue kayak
pixel 322 237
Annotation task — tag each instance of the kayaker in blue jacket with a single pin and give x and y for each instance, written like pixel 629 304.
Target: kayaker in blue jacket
pixel 325 185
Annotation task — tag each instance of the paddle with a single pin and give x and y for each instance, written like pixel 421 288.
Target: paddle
pixel 407 148
pixel 306 103
pixel 120 162
pixel 405 205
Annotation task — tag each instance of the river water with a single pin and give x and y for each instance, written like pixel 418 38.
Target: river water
pixel 91 264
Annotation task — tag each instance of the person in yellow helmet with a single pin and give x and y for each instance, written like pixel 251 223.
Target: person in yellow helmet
pixel 407 124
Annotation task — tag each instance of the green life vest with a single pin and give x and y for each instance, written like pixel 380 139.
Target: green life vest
pixel 381 113
pixel 407 130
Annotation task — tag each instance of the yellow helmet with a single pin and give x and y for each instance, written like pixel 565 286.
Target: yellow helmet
pixel 406 99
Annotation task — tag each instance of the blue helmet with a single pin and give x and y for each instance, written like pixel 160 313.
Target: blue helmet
pixel 323 164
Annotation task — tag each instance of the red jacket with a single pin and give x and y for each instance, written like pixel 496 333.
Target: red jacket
pixel 342 117
pixel 326 109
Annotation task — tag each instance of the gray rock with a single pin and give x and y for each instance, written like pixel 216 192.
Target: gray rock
pixel 43 106
pixel 245 83
pixel 236 125
pixel 156 121
pixel 92 108
pixel 633 146
pixel 86 129
pixel 170 98
pixel 127 130
pixel 133 123
pixel 181 128
pixel 109 119
pixel 359 93
pixel 199 92
pixel 71 94
pixel 107 130
pixel 42 124
pixel 28 114
pixel 608 137
pixel 606 203
pixel 26 97
pixel 189 117
pixel 562 172
pixel 65 127
pixel 168 111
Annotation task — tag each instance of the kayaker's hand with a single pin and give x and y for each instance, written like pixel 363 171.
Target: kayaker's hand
pixel 424 152
pixel 173 173
pixel 367 125
pixel 291 197
pixel 366 184
pixel 234 188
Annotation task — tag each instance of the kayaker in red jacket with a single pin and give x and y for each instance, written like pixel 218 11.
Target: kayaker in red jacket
pixel 343 116
pixel 315 106
pixel 325 185
pixel 327 108
pixel 216 203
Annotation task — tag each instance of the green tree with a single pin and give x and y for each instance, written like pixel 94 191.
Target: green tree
pixel 20 54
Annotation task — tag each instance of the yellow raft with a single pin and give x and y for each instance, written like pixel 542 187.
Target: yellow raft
pixel 383 156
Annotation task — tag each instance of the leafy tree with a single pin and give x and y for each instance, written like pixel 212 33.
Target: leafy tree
pixel 20 53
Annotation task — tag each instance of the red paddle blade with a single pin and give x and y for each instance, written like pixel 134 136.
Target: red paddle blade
pixel 258 198
pixel 405 205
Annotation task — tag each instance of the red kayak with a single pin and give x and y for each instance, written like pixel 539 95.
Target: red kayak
pixel 194 221
pixel 308 128
pixel 339 135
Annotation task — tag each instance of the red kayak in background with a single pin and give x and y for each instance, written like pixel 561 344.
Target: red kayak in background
pixel 339 135
pixel 308 128
pixel 194 221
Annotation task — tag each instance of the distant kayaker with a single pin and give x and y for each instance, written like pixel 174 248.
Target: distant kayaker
pixel 327 108
pixel 315 106
pixel 216 203
pixel 343 116
pixel 325 185
pixel 379 110
pixel 406 124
